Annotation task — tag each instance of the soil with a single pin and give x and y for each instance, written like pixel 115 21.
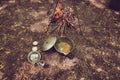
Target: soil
pixel 96 55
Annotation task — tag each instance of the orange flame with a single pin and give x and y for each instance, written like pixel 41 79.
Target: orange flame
pixel 58 13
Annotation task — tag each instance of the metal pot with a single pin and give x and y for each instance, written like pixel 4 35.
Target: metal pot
pixel 62 45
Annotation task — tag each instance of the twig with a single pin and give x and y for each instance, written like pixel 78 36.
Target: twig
pixel 57 2
pixel 69 22
pixel 3 7
pixel 76 11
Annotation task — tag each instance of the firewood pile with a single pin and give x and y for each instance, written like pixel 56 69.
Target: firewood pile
pixel 63 17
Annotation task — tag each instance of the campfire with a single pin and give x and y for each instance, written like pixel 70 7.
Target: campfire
pixel 63 17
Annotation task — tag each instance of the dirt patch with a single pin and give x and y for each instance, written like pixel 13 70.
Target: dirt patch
pixel 97 41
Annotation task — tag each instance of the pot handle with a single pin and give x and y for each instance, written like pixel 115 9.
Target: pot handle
pixel 41 63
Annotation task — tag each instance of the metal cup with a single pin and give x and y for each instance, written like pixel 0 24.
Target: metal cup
pixel 34 57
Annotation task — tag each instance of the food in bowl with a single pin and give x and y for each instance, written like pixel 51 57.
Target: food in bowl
pixel 64 45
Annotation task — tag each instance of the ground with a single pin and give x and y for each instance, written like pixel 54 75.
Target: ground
pixel 96 55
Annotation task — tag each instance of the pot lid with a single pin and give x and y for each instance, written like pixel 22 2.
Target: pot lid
pixel 49 43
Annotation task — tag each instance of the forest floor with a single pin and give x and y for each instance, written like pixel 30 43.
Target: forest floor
pixel 96 36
